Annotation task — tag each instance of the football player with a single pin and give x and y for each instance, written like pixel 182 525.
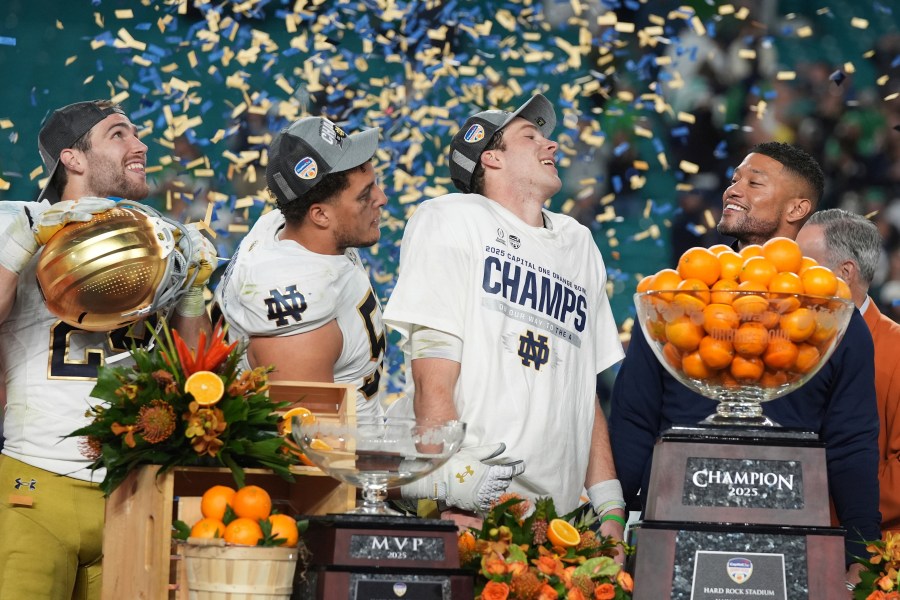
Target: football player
pixel 51 510
pixel 296 288
pixel 505 323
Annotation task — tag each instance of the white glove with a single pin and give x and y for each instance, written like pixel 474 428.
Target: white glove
pixel 202 262
pixel 473 479
pixel 36 223
pixel 69 211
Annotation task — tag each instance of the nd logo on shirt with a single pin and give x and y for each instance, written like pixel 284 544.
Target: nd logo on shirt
pixel 306 168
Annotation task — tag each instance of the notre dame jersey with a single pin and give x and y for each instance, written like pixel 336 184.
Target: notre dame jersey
pixel 51 368
pixel 277 287
pixel 530 306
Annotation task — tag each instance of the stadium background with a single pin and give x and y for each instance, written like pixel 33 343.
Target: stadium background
pixel 657 101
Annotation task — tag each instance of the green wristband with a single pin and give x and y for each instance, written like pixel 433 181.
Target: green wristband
pixel 610 517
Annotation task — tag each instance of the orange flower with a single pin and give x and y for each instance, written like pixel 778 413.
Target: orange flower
pixel 575 594
pixel 876 595
pixel 495 590
pixel 547 593
pixel 624 581
pixel 493 566
pixel 516 567
pixel 567 576
pixel 604 591
pixel 885 583
pixel 548 565
pixel 892 596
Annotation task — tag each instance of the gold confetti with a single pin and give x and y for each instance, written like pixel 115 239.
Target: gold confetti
pixel 689 167
pixel 849 68
pixel 70 60
pixel 35 173
pixel 786 76
pixel 893 96
pixel 805 31
pixel 686 117
pixel 859 23
pixel 4 185
pixel 5 123
pixel 125 13
pixel 747 53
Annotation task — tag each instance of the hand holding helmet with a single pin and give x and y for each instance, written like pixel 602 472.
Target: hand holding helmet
pixel 473 479
pixel 36 224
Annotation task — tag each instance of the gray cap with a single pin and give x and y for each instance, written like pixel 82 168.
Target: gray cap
pixel 478 130
pixel 310 148
pixel 63 128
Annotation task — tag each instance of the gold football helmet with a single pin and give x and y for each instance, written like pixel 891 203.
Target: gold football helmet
pixel 121 266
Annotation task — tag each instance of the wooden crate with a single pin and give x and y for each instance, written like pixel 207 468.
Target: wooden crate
pixel 140 560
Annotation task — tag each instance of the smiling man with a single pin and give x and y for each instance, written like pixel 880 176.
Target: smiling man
pixel 51 509
pixel 296 288
pixel 772 193
pixel 505 324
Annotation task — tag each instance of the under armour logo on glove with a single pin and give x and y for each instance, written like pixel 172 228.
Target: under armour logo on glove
pixel 462 476
pixel 31 484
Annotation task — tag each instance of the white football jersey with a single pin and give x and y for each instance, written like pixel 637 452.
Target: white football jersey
pixel 530 306
pixel 277 287
pixel 51 368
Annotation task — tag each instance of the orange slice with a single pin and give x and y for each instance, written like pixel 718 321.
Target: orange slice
pixel 317 444
pixel 304 413
pixel 206 387
pixel 562 533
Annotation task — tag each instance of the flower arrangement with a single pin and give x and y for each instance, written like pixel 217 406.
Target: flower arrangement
pixel 175 407
pixel 540 556
pixel 880 576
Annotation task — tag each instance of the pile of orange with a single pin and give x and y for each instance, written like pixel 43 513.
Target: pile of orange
pixel 243 517
pixel 761 316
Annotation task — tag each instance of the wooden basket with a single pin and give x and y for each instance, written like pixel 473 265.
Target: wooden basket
pixel 219 572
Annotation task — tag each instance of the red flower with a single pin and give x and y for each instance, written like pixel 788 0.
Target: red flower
pixel 495 590
pixel 209 357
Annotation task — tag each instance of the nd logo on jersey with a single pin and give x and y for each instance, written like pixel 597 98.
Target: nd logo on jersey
pixel 283 304
pixel 306 168
pixel 474 134
pixel 534 352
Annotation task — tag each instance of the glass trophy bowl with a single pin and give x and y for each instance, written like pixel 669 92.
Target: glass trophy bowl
pixel 376 453
pixel 741 348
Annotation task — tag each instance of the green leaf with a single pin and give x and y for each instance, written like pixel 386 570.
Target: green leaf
pixel 181 530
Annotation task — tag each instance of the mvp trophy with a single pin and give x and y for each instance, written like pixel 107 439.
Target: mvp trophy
pixel 373 551
pixel 737 507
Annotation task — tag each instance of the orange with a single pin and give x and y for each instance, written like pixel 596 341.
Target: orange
pixel 751 251
pixel 747 370
pixel 208 528
pixel 298 411
pixel 799 324
pixel 759 270
pixel 656 328
pixel 780 354
pixel 768 319
pixel 751 339
pixel 252 502
pixel 214 501
pixel 243 531
pixel 774 379
pixel 693 366
pixel 699 263
pixel 563 534
pixel 285 527
pixel 749 307
pixel 806 263
pixel 684 333
pixel 721 291
pixel 719 320
pixel 826 327
pixel 718 249
pixel 644 284
pixel 843 290
pixel 672 355
pixel 784 253
pixel 786 283
pixel 819 281
pixel 667 279
pixel 206 387
pixel 696 296
pixel 716 353
pixel 730 264
pixel 807 358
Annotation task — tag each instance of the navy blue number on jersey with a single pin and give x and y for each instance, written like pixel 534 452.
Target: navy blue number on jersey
pixel 376 342
pixel 64 365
